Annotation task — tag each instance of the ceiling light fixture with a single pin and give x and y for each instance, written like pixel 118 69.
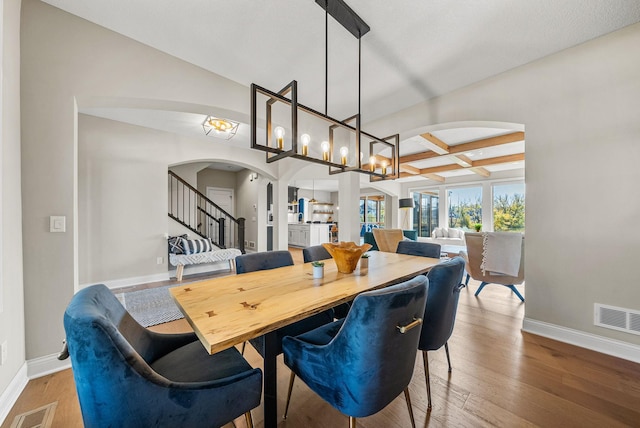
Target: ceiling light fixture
pixel 223 128
pixel 313 199
pixel 342 140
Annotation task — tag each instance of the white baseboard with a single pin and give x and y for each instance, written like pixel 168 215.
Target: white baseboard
pixel 604 345
pixel 127 282
pixel 48 364
pixel 12 392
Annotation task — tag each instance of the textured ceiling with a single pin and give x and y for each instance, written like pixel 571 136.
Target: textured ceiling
pixel 416 49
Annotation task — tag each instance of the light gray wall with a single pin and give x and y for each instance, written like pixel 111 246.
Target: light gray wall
pixel 12 322
pixel 580 109
pixel 122 199
pixel 81 63
pixel 189 172
pixel 247 204
pixel 216 178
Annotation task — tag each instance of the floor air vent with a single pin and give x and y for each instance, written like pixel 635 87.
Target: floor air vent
pixel 617 318
pixel 41 417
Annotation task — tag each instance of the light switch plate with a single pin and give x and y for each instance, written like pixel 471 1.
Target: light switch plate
pixel 57 223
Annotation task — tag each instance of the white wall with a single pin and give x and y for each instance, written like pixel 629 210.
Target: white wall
pixel 12 323
pixel 580 109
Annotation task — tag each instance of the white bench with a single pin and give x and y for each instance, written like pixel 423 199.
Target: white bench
pixel 219 255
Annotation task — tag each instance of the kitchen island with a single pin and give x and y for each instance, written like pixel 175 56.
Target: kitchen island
pixel 309 234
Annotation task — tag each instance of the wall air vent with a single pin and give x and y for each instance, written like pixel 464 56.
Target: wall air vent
pixel 615 318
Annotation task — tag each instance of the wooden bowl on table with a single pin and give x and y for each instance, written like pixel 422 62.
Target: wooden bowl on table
pixel 346 254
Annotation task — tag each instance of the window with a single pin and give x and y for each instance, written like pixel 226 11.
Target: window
pixel 372 210
pixel 425 213
pixel 465 207
pixel 508 207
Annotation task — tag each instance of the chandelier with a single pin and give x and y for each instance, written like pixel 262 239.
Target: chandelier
pixel 343 146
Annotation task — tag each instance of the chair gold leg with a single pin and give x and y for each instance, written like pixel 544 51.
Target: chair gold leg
pixel 408 398
pixel 247 418
pixel 426 378
pixel 286 407
pixel 352 422
pixel 446 348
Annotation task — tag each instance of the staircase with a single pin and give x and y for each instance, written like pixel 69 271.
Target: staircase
pixel 199 214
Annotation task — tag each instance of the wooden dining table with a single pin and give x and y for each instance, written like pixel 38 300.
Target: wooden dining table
pixel 227 311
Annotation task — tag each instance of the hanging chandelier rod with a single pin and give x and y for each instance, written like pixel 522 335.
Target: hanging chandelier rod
pixel 341 12
pixel 273 143
pixel 345 16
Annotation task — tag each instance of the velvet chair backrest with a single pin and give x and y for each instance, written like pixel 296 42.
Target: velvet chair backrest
pixel 369 239
pixel 474 254
pixel 445 282
pixel 424 249
pixel 107 346
pixel 369 360
pixel 263 261
pixel 315 253
pixel 387 239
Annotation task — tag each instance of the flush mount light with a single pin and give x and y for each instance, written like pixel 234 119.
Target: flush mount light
pixel 218 127
pixel 339 144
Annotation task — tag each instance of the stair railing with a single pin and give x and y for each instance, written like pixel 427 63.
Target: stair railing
pixel 201 215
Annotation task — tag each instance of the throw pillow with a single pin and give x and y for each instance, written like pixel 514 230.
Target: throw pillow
pixel 195 246
pixel 175 244
pixel 454 233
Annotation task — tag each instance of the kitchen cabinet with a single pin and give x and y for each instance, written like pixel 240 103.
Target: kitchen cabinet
pixel 308 234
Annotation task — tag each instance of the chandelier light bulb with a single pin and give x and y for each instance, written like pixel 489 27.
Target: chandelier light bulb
pixel 325 150
pixel 383 164
pixel 279 133
pixel 306 139
pixel 344 152
pixel 372 163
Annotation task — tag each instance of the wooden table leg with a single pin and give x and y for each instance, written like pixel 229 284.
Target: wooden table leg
pixel 270 377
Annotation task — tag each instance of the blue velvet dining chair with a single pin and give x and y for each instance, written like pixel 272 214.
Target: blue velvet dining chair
pixel 424 249
pixel 271 260
pixel 263 261
pixel 362 363
pixel 315 253
pixel 128 376
pixel 445 283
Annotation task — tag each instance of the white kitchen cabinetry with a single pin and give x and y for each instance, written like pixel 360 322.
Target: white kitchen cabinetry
pixel 309 234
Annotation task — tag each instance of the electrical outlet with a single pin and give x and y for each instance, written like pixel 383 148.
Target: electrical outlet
pixel 252 244
pixel 3 353
pixel 159 260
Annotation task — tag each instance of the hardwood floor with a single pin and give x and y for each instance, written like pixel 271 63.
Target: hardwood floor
pixel 501 377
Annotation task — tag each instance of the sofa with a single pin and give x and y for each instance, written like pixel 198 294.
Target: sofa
pixel 444 236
